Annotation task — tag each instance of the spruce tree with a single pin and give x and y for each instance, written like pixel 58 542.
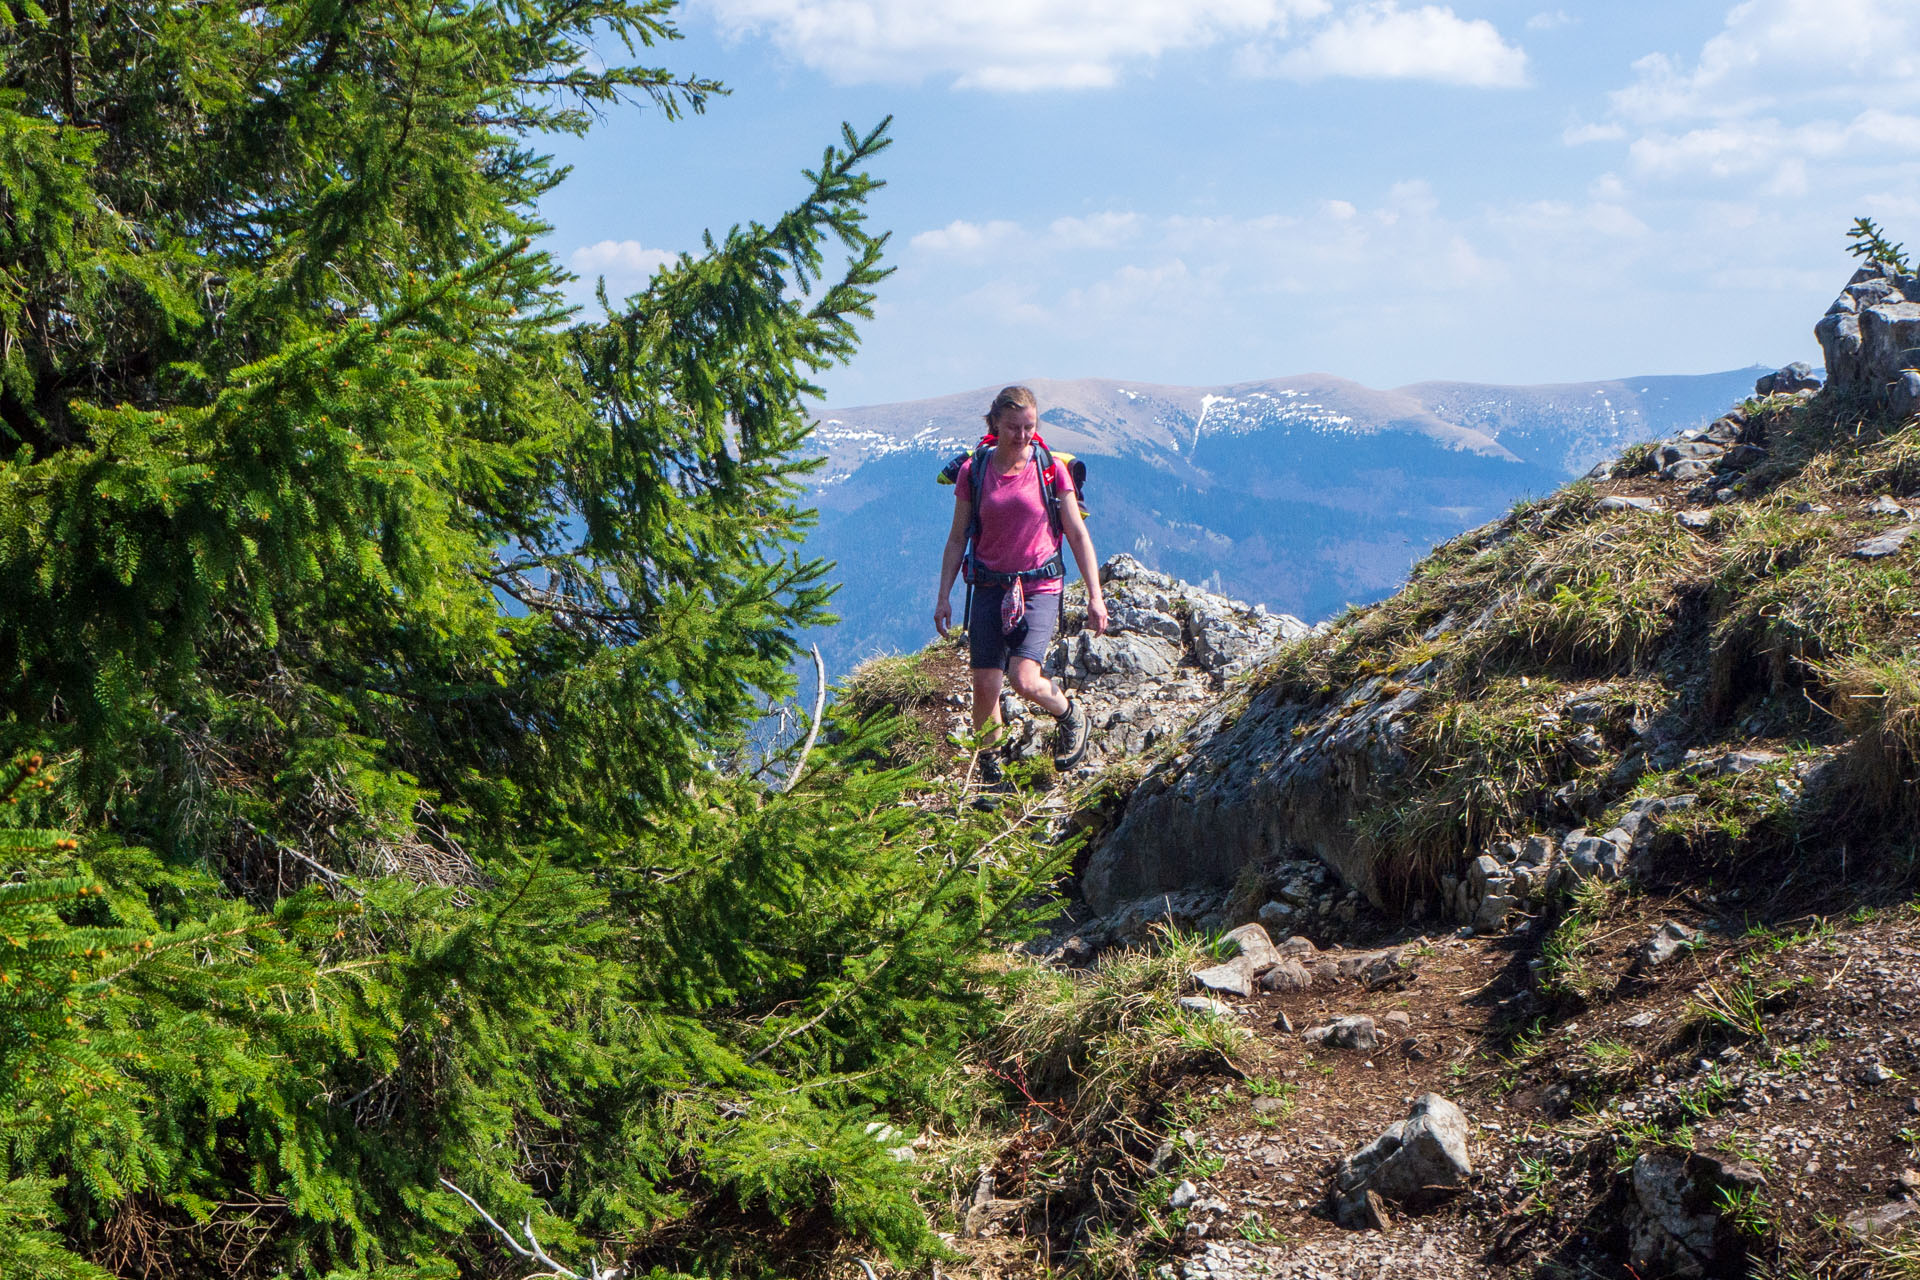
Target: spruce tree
pixel 387 636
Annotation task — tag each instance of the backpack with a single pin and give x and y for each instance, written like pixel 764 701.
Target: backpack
pixel 1046 461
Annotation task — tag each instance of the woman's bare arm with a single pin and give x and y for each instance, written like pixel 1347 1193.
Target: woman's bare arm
pixel 950 560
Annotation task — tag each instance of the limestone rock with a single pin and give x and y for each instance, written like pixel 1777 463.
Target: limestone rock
pixel 1869 334
pixel 1252 790
pixel 1879 1220
pixel 1625 502
pixel 1798 376
pixel 1255 955
pixel 1142 681
pixel 1675 1224
pixel 1356 1031
pixel 1276 914
pixel 1680 451
pixel 1885 544
pixel 1288 975
pixel 1224 978
pixel 1412 1160
pixel 1668 941
pixel 1589 857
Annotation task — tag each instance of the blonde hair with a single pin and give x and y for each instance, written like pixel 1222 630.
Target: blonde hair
pixel 1012 398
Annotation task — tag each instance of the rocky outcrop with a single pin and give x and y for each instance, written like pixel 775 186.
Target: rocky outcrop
pixel 1283 772
pixel 1798 376
pixel 1168 650
pixel 1512 877
pixel 1870 337
pixel 1259 782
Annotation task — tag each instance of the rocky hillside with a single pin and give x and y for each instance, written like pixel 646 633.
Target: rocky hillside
pixel 1550 917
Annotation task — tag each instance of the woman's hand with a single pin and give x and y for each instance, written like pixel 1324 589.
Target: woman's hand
pixel 1097 617
pixel 942 617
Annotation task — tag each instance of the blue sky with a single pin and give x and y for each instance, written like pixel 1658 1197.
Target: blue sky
pixel 1207 191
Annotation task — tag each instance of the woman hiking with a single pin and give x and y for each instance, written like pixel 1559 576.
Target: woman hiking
pixel 1016 574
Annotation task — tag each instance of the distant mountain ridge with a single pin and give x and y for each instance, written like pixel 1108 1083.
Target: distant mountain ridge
pixel 1305 493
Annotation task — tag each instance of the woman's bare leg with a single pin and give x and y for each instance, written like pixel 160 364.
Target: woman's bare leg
pixel 1029 683
pixel 986 699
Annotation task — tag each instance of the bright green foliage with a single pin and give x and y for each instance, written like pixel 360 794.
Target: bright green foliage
pixel 1867 242
pixel 395 632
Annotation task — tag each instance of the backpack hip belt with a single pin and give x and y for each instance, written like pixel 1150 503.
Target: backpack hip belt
pixel 982 577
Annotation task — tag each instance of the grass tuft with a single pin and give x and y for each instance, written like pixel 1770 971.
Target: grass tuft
pixel 1604 597
pixel 1878 700
pixel 897 682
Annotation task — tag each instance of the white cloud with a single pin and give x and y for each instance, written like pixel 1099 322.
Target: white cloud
pixel 1223 295
pixel 1736 148
pixel 1171 267
pixel 1801 100
pixel 963 237
pixel 1378 40
pixel 1024 45
pixel 1001 45
pixel 960 238
pixel 1608 187
pixel 1772 52
pixel 1547 20
pixel 619 260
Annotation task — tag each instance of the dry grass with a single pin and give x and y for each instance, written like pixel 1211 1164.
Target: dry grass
pixel 1095 1039
pixel 1083 1062
pixel 1790 599
pixel 1878 699
pixel 1604 597
pixel 1484 766
pixel 898 682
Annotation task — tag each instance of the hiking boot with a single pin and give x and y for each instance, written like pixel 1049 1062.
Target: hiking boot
pixel 1071 743
pixel 991 775
pixel 993 780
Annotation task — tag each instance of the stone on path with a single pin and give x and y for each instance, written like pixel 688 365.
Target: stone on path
pixel 1411 1160
pixel 1668 941
pixel 1879 1220
pixel 1256 954
pixel 1675 1220
pixel 1356 1031
pixel 1885 544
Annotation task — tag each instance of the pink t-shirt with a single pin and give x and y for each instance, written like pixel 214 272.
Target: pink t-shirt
pixel 1014 532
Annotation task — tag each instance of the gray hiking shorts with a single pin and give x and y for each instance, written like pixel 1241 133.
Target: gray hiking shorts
pixel 988 650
